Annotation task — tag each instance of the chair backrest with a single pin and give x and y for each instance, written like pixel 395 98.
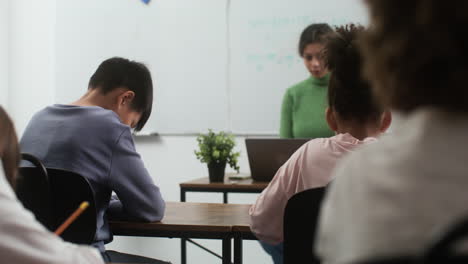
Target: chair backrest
pixel 69 190
pixel 300 222
pixel 53 195
pixel 33 190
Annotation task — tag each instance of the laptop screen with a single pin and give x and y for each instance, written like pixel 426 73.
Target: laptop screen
pixel 267 155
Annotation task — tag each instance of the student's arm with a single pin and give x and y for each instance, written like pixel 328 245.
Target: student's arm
pixel 24 240
pixel 266 215
pixel 286 116
pixel 139 198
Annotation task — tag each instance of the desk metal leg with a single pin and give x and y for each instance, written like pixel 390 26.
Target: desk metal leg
pixel 183 241
pixel 182 195
pixel 225 197
pixel 183 251
pixel 227 250
pixel 237 249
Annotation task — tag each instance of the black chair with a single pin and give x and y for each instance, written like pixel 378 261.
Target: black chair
pixel 300 222
pixel 69 190
pixel 443 249
pixel 33 190
pixel 52 195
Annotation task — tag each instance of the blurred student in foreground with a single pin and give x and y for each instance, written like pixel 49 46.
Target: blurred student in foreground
pixel 355 118
pixel 390 198
pixel 23 239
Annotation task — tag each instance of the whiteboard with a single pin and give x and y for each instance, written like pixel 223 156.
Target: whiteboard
pixel 265 60
pixel 220 64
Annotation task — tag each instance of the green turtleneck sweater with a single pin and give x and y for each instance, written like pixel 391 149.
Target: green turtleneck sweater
pixel 303 110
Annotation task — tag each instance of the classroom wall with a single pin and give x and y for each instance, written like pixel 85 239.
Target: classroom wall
pixel 27 31
pixel 30 70
pixel 31 64
pixel 4 58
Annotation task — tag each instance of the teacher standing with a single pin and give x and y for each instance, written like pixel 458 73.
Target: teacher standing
pixel 304 104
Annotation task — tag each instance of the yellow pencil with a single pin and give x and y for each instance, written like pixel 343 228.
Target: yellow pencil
pixel 71 218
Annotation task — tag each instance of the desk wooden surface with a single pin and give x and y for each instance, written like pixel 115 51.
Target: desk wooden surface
pixel 246 184
pixel 186 219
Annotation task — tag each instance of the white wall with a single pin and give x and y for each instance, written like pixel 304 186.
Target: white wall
pixel 31 49
pixel 170 160
pixel 4 45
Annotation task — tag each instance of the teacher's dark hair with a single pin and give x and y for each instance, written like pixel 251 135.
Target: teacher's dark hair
pixel 9 148
pixel 118 72
pixel 314 33
pixel 349 94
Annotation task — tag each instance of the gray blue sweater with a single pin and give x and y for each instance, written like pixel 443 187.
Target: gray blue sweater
pixel 93 142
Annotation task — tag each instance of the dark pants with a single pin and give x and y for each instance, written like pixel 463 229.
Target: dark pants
pixel 114 256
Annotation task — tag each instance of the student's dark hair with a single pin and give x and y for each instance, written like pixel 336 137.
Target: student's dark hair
pixel 118 72
pixel 416 53
pixel 349 94
pixel 314 33
pixel 9 148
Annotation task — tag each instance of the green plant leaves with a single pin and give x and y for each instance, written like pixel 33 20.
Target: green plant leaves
pixel 218 148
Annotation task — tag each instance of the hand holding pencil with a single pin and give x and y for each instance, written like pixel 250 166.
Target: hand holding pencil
pixel 71 218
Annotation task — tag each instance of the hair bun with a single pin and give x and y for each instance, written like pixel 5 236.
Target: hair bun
pixel 349 94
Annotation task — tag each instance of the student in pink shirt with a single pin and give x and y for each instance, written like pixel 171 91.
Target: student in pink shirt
pixel 354 117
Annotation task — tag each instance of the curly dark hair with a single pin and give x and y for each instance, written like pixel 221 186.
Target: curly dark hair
pixel 9 148
pixel 416 53
pixel 349 94
pixel 314 33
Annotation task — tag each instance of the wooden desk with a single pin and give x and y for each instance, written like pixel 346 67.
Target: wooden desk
pixel 194 220
pixel 228 186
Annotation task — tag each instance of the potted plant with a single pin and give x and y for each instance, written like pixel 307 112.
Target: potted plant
pixel 216 149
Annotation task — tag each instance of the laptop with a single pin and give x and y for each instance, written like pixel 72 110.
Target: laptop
pixel 267 155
